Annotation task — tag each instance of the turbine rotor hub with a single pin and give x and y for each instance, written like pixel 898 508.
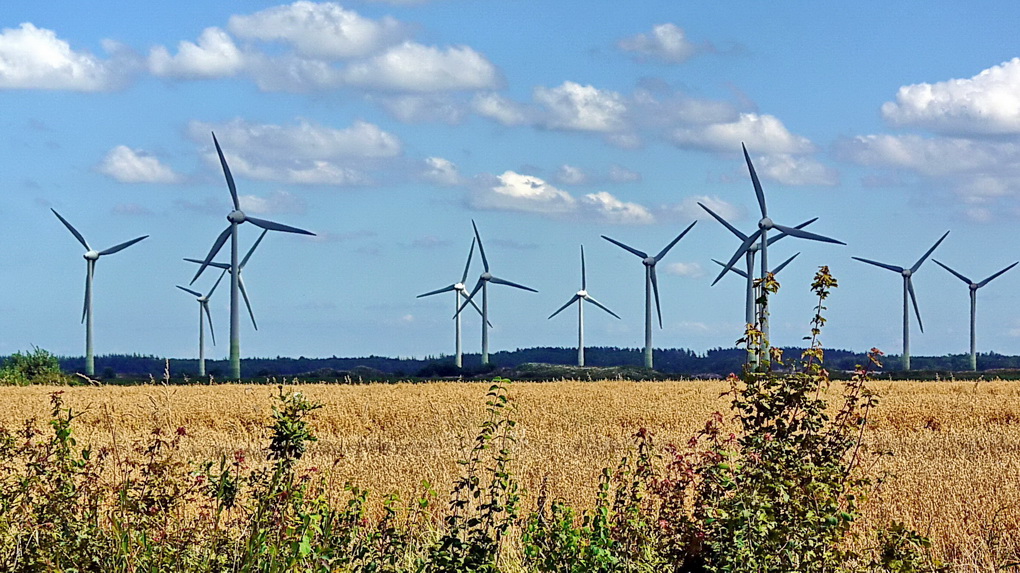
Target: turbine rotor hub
pixel 765 224
pixel 486 276
pixel 236 216
pixel 582 293
pixel 973 286
pixel 92 255
pixel 906 272
pixel 459 286
pixel 649 261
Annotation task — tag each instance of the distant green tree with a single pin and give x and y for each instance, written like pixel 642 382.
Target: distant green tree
pixel 35 367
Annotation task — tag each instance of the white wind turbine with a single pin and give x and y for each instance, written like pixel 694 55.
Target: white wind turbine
pixel 651 286
pixel 203 307
pixel 483 285
pixel 91 256
pixel 908 291
pixel 579 297
pixel 240 275
pixel 973 287
pixel 236 218
pixel 459 289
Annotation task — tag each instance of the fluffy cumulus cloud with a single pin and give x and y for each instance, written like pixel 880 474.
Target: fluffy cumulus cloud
pixel 666 43
pixel 794 170
pixel 419 108
pixel 440 171
pixel 763 134
pixel 689 210
pixel 305 153
pixel 690 270
pixel 988 103
pixel 416 68
pixel 571 175
pixel 276 203
pixel 499 108
pixel 572 106
pixel 214 55
pixel 318 30
pixel 35 58
pixel 128 165
pixel 604 206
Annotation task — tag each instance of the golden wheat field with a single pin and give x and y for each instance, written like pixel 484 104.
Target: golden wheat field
pixel 955 475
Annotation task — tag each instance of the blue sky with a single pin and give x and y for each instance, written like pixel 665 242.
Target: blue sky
pixel 386 128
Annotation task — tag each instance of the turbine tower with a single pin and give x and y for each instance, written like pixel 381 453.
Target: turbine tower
pixel 483 284
pixel 581 296
pixel 765 224
pixel 203 307
pixel 459 289
pixel 91 256
pixel 651 286
pixel 908 290
pixel 236 218
pixel 240 275
pixel 973 305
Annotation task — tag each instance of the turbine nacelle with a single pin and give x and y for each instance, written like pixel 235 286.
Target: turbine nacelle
pixel 765 224
pixel 459 287
pixel 906 272
pixel 236 216
pixel 486 276
pixel 582 293
pixel 91 255
pixel 649 261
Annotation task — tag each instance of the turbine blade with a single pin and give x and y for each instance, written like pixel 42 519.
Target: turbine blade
pixel 795 232
pixel 481 249
pixel 467 265
pixel 989 279
pixel 475 306
pixel 732 269
pixel 665 250
pixel 205 306
pixel 655 289
pixel 600 305
pixel 500 281
pixel 757 184
pixel 214 264
pixel 724 222
pixel 573 299
pixel 584 278
pixel 776 270
pixel 917 265
pixel 226 173
pixel 913 299
pixel 189 291
pixel 276 226
pixel 641 254
pixel 121 246
pixel 213 251
pixel 437 291
pixel 74 231
pixel 892 268
pixel 88 294
pixel 740 251
pixel 478 286
pixel 216 284
pixel 247 303
pixel 780 235
pixel 247 256
pixel 956 274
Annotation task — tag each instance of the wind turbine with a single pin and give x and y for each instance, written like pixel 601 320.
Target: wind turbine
pixel 908 290
pixel 240 274
pixel 765 224
pixel 651 286
pixel 236 218
pixel 459 289
pixel 581 296
pixel 973 304
pixel 483 284
pixel 203 306
pixel 749 254
pixel 91 256
pixel 774 271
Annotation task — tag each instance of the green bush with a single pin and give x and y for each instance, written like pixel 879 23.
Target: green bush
pixel 35 367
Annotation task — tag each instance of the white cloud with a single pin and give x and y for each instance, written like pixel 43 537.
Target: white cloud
pixel 425 108
pixel 572 106
pixel 215 55
pixel 318 30
pixel 499 108
pixel 666 43
pixel 278 202
pixel 570 175
pixel 292 73
pixel 516 192
pixel 763 134
pixel 988 103
pixel 930 157
pixel 416 68
pixel 128 165
pixel 620 174
pixel 612 210
pixel 791 170
pixel 689 210
pixel 689 270
pixel 35 58
pixel 441 171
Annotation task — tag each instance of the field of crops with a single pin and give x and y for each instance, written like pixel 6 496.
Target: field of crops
pixel 954 475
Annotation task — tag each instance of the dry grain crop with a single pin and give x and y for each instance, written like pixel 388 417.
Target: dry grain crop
pixel 955 472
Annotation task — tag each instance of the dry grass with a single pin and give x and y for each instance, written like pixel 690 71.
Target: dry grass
pixel 957 445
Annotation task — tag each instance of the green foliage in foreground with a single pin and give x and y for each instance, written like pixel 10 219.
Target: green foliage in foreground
pixel 35 367
pixel 779 494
